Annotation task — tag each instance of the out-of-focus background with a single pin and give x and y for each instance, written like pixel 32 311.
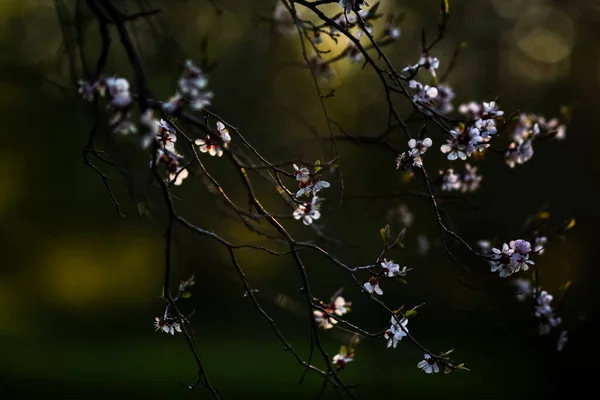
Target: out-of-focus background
pixel 80 286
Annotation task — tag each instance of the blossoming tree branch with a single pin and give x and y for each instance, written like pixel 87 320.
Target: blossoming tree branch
pixel 179 133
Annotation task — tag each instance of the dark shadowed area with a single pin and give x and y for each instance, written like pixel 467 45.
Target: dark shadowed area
pixel 80 286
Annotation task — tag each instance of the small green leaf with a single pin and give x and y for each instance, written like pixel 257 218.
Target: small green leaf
pixel 410 313
pixel 447 353
pixel 570 224
pixel 186 295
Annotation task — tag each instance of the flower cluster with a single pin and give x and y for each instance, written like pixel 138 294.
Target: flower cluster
pixel 424 94
pixel 541 309
pixel 431 364
pixel 215 145
pixel 192 85
pixel 530 127
pixel 545 313
pixel 309 183
pixel 412 157
pixel 476 133
pixel 511 258
pixel 469 182
pixel 338 306
pixel 165 137
pixel 167 325
pixel 396 331
pixel 389 269
pixel 120 99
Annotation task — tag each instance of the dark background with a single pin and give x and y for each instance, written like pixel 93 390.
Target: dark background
pixel 80 286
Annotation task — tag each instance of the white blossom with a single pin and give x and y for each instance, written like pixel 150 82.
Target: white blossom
pixel 118 89
pixel 396 331
pixel 424 94
pixel 419 147
pixel 167 325
pixel 223 133
pixel 543 306
pixel 302 174
pixel 166 135
pixel 492 109
pixel 210 146
pixel 455 148
pixel 486 127
pixel 512 258
pixel 450 180
pixel 429 365
pixel 178 177
pixel 322 320
pixel 519 153
pixel 313 187
pixel 372 285
pixel 308 212
pixel 426 62
pixel 340 360
pixel 539 244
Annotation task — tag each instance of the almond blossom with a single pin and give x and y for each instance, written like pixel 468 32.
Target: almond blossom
pixel 426 62
pixel 340 360
pixel 308 212
pixel 210 146
pixel 167 325
pixel 193 84
pixel 396 331
pixel 429 365
pixel 512 258
pixel 372 286
pixel 177 177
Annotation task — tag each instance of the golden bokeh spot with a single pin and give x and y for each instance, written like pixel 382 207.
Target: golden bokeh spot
pixel 96 271
pixel 545 46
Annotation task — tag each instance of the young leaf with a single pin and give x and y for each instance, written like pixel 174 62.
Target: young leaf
pixel 410 313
